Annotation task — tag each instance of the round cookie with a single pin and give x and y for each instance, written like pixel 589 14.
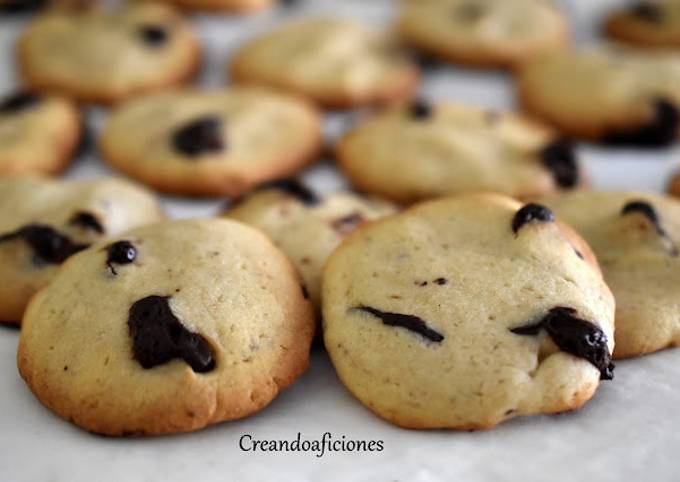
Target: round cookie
pixel 104 55
pixel 485 33
pixel 43 222
pixel 646 23
pixel 634 237
pixel 38 133
pixel 336 63
pixel 466 311
pixel 426 151
pixel 203 321
pixel 618 96
pixel 232 6
pixel 305 226
pixel 218 143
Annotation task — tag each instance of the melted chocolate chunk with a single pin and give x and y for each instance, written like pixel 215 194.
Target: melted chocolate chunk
pixel 529 213
pixel 48 245
pixel 441 281
pixel 305 292
pixel 469 12
pixel 120 252
pixel 201 136
pixel 18 102
pixel 87 220
pixel 648 211
pixel 420 110
pixel 21 6
pixel 154 35
pixel 158 337
pixel 575 336
pixel 346 224
pixel 560 159
pixel 410 322
pixel 660 131
pixel 293 187
pixel 647 11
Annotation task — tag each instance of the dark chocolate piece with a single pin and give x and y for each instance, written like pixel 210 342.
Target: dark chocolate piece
pixel 420 110
pixel 18 102
pixel 529 213
pixel 647 11
pixel 120 252
pixel 560 159
pixel 154 35
pixel 305 292
pixel 346 224
pixel 87 220
pixel 48 245
pixel 158 337
pixel 201 136
pixel 410 322
pixel 293 187
pixel 660 131
pixel 441 281
pixel 21 6
pixel 575 336
pixel 648 211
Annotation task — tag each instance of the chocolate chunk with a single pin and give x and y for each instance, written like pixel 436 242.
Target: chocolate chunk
pixel 19 101
pixel 21 6
pixel 560 159
pixel 469 12
pixel 305 292
pixel 346 224
pixel 647 11
pixel 120 252
pixel 529 213
pixel 441 281
pixel 575 336
pixel 87 220
pixel 293 187
pixel 648 211
pixel 201 136
pixel 420 110
pixel 154 35
pixel 48 245
pixel 660 131
pixel 410 322
pixel 158 336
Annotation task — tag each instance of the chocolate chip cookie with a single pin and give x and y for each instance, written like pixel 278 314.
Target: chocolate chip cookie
pixel 43 222
pixel 38 133
pixel 101 55
pixel 615 95
pixel 167 328
pixel 487 33
pixel 635 238
pixel 218 143
pixel 306 226
pixel 647 23
pixel 425 151
pixel 335 62
pixel 466 311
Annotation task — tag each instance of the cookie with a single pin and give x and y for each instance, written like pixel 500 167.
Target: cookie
pixel 635 238
pixel 43 222
pixel 647 23
pixel 231 6
pixel 304 225
pixel 619 96
pixel 484 33
pixel 218 143
pixel 106 55
pixel 189 323
pixel 465 311
pixel 334 62
pixel 425 151
pixel 38 133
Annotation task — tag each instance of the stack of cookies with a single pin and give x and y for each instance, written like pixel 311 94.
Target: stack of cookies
pixel 468 278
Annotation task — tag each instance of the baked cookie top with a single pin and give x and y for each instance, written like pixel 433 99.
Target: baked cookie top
pixel 304 225
pixel 488 33
pixel 198 322
pixel 635 237
pixel 465 311
pixel 425 151
pixel 233 6
pixel 647 23
pixel 212 143
pixel 38 134
pixel 335 62
pixel 613 94
pixel 43 222
pixel 104 55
